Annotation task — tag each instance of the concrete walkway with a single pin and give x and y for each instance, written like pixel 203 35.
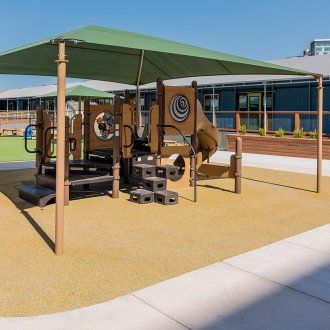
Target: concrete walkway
pixel 16 165
pixel 282 163
pixel 285 285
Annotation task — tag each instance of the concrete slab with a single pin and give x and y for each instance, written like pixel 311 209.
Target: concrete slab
pixel 280 286
pixel 303 269
pixel 16 165
pixel 282 163
pixel 317 239
pixel 223 297
pixel 126 312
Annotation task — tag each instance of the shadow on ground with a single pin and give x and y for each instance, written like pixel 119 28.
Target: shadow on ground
pixel 287 307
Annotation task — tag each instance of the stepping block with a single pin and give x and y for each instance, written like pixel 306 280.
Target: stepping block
pixel 154 184
pixel 167 171
pixel 141 196
pixel 166 197
pixel 142 171
pixel 35 194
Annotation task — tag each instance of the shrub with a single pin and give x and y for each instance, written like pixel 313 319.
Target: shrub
pixel 299 133
pixel 243 129
pixel 262 131
pixel 314 134
pixel 279 133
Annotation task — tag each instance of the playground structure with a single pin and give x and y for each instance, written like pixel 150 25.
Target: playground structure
pixel 102 146
pixel 119 56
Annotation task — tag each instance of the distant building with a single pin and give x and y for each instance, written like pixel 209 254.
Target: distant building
pixel 318 47
pixel 286 102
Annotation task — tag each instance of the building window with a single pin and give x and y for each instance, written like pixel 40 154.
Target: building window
pixel 210 102
pixel 142 104
pixel 254 103
pixel 269 102
pixel 242 102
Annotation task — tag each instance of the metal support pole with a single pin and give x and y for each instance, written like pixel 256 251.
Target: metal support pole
pixel 60 151
pixel 193 157
pixel 137 98
pixel 265 106
pixel 214 120
pixel 116 149
pixel 238 165
pixel 16 109
pixel 138 110
pixel 79 106
pixel 319 132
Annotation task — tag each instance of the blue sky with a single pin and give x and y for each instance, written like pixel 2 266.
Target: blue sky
pixel 261 29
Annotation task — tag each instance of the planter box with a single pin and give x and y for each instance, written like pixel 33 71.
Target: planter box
pixel 286 146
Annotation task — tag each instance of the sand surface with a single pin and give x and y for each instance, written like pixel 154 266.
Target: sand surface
pixel 113 247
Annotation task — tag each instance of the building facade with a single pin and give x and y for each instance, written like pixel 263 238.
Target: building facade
pixel 286 104
pixel 270 102
pixel 320 47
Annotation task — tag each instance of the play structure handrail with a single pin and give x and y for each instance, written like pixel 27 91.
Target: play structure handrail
pixel 131 144
pixel 194 153
pixel 72 143
pixel 45 138
pixel 25 139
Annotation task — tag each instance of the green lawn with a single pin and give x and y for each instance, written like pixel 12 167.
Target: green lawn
pixel 12 149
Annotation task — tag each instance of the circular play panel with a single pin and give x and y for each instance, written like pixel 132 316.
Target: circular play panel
pixel 103 126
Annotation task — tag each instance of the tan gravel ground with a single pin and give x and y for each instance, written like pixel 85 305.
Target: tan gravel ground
pixel 113 247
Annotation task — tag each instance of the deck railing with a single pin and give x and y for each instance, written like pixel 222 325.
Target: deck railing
pixel 17 116
pixel 287 120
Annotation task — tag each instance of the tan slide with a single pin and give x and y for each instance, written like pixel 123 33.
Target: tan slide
pixel 208 136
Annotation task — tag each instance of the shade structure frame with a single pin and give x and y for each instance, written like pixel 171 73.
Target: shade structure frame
pixel 82 92
pixel 114 55
pixel 319 79
pixel 60 151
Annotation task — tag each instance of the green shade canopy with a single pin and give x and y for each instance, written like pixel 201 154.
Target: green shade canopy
pixel 115 55
pixel 82 91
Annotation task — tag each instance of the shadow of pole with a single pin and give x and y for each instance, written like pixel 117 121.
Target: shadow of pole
pixel 39 230
pixel 217 188
pixel 279 184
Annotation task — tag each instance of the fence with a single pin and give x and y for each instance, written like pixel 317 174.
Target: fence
pixel 287 120
pixel 17 117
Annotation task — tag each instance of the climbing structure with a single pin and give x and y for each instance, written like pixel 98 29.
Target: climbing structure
pixel 103 149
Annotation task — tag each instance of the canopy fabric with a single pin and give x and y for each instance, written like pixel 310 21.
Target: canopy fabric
pixel 82 91
pixel 115 55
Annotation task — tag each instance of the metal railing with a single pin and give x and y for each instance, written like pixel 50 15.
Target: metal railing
pixel 288 120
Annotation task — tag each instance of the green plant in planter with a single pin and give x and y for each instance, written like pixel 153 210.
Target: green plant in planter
pixel 280 132
pixel 262 131
pixel 299 133
pixel 243 129
pixel 314 134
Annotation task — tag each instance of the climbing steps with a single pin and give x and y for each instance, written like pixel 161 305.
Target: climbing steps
pixel 154 180
pixel 82 173
pixel 36 194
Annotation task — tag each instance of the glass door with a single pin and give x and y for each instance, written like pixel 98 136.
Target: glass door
pixel 211 102
pixel 254 105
